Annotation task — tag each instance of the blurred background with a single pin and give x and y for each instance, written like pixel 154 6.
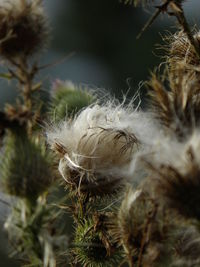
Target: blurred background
pixel 100 36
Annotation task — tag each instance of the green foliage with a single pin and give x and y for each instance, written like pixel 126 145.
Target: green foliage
pixel 34 233
pixel 92 248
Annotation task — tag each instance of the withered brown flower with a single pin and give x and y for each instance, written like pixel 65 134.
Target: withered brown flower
pixel 23 27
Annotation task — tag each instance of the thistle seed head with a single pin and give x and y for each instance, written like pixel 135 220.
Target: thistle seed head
pixel 175 103
pixel 95 148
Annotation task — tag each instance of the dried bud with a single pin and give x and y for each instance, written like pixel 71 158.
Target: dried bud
pixel 68 99
pixel 23 27
pixel 25 166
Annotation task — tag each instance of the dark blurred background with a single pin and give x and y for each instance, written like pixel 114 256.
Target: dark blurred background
pixel 102 36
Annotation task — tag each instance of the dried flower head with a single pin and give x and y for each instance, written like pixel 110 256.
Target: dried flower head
pixel 23 27
pixel 176 107
pixel 95 147
pixel 25 166
pixel 181 52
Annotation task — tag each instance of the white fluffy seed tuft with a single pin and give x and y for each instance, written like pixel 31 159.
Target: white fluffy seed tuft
pixel 100 140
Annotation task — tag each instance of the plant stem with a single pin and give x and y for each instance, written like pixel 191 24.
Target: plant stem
pixel 27 83
pixel 160 9
pixel 25 75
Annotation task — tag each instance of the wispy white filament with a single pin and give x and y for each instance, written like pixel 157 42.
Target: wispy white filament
pixel 101 139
